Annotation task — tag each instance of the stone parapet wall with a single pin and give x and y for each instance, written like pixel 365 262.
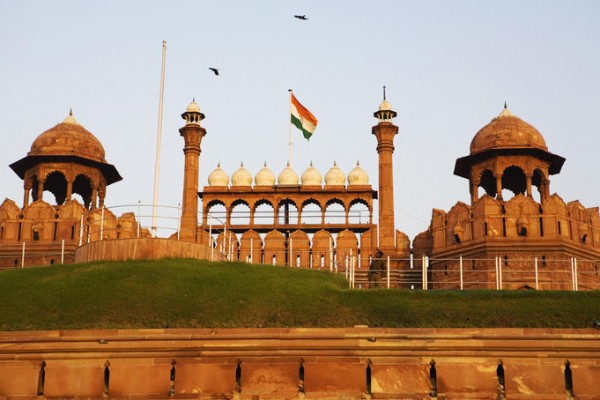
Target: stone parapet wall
pixel 341 363
pixel 140 249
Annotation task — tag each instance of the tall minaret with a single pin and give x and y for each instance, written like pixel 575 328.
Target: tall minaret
pixel 385 131
pixel 192 134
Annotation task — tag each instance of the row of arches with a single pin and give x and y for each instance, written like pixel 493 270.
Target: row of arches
pixel 90 189
pixel 286 212
pixel 509 182
pixel 321 250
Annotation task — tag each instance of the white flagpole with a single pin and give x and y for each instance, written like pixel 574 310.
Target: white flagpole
pixel 290 127
pixel 160 114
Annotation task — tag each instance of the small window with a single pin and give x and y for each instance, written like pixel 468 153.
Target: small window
pixel 505 261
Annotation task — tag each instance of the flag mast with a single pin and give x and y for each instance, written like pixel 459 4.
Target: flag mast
pixel 159 134
pixel 290 128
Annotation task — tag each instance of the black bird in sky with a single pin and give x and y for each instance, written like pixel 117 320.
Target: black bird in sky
pixel 216 71
pixel 302 17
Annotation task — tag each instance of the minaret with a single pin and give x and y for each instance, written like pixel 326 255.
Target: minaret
pixel 385 131
pixel 192 134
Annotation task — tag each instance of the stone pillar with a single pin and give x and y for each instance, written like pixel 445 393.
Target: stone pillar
pixel 499 186
pixel 529 191
pixel 192 134
pixel 27 188
pixel 385 131
pixel 69 190
pixel 40 191
pixel 473 189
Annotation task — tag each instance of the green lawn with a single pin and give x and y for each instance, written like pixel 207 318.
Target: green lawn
pixel 191 293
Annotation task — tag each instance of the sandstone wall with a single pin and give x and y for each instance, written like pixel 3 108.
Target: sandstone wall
pixel 144 249
pixel 345 363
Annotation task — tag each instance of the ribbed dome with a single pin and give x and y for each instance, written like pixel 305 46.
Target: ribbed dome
pixel 507 131
pixel 241 177
pixel 68 138
pixel 312 176
pixel 358 176
pixel 335 176
pixel 265 177
pixel 288 176
pixel 218 177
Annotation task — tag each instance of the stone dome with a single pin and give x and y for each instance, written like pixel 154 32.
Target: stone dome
pixel 358 176
pixel 288 176
pixel 193 107
pixel 335 176
pixel 507 131
pixel 218 177
pixel 68 138
pixel 241 177
pixel 265 177
pixel 312 176
pixel 385 106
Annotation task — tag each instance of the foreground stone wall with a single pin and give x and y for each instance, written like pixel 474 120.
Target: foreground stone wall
pixel 344 363
pixel 140 249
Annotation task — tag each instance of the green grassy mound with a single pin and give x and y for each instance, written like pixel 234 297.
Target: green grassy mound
pixel 197 294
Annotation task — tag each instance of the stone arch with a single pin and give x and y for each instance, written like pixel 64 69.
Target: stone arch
pixel 264 212
pixel 346 246
pixel 82 185
pixel 514 179
pixel 274 249
pixel 218 212
pixel 251 247
pixel 299 245
pixel 239 212
pixel 335 211
pixel 287 211
pixel 487 182
pixel 359 212
pixel 322 250
pixel 227 245
pixel 311 212
pixel 56 183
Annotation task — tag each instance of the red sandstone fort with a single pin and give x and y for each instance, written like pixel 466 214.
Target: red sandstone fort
pixel 514 234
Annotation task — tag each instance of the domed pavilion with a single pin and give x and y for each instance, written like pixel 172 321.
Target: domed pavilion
pixel 511 237
pixel 66 159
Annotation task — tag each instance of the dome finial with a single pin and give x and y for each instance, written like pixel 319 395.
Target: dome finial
pixel 505 111
pixel 384 92
pixel 70 118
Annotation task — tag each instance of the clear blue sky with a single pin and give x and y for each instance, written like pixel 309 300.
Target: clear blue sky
pixel 448 66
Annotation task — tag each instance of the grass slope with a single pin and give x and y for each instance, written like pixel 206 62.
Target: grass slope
pixel 191 293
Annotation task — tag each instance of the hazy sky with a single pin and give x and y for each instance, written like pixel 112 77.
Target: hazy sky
pixel 449 66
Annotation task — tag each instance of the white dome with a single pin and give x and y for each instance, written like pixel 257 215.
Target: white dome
pixel 265 177
pixel 335 176
pixel 218 177
pixel 288 176
pixel 241 177
pixel 358 176
pixel 312 176
pixel 385 106
pixel 193 107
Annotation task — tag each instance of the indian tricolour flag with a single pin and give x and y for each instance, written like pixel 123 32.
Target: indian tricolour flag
pixel 302 118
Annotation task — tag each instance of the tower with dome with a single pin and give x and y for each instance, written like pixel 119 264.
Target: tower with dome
pixel 515 234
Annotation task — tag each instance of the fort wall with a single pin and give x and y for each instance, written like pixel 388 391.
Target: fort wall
pixel 297 363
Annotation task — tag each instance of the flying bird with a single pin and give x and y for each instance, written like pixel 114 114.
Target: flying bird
pixel 216 71
pixel 302 17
